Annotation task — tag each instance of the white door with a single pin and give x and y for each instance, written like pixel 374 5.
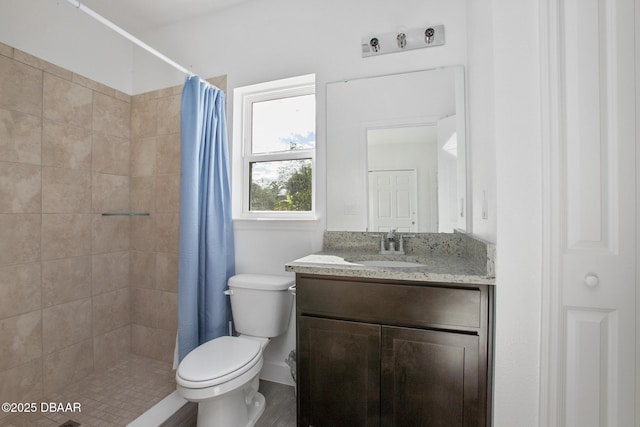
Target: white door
pixel 393 201
pixel 592 234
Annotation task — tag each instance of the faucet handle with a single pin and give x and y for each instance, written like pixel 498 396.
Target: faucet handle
pixel 401 244
pixel 382 239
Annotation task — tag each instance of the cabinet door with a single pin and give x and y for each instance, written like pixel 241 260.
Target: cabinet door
pixel 338 373
pixel 429 378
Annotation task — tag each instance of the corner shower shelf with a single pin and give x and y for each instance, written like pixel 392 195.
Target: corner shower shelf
pixel 126 214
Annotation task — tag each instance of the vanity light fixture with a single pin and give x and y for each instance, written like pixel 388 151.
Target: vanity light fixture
pixel 416 38
pixel 428 35
pixel 402 40
pixel 375 44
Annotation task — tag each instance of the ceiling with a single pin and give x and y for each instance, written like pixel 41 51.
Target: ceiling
pixel 137 16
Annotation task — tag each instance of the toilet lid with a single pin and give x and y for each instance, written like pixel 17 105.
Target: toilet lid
pixel 218 358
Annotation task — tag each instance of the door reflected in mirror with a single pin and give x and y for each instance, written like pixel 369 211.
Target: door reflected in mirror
pixel 396 153
pixel 406 161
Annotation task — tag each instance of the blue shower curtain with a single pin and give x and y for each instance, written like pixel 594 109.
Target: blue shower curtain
pixel 206 252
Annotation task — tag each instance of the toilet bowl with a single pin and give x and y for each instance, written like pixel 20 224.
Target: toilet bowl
pixel 222 375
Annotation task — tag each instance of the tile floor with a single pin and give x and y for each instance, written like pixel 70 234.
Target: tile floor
pixel 117 396
pixel 113 397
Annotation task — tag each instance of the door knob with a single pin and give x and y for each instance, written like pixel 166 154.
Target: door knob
pixel 591 280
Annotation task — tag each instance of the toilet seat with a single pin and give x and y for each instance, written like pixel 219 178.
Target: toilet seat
pixel 218 361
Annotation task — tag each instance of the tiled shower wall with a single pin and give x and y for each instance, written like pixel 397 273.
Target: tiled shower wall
pixel 78 290
pixel 64 268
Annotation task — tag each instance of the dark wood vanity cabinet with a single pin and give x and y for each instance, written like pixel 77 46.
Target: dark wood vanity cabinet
pixel 379 353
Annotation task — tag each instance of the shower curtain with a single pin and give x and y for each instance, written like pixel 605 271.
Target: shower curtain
pixel 206 251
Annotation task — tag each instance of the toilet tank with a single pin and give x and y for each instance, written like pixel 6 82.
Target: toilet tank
pixel 261 304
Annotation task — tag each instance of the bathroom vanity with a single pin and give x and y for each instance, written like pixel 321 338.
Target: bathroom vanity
pixel 380 345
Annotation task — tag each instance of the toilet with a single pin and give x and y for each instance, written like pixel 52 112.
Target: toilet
pixel 223 374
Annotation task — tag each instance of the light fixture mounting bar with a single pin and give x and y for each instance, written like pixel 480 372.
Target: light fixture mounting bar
pixel 399 41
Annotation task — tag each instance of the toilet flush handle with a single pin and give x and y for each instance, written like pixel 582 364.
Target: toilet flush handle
pixel 228 292
pixel 292 289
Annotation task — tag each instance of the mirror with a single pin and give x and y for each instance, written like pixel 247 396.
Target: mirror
pixel 396 152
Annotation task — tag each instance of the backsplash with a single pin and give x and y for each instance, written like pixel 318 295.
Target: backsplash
pixel 425 244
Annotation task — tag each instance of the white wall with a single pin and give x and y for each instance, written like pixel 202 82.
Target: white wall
pixel 58 32
pixel 481 116
pixel 261 41
pixel 516 82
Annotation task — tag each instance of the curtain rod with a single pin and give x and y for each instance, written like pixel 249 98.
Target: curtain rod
pixel 128 36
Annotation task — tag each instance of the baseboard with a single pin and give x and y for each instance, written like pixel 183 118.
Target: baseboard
pixel 277 373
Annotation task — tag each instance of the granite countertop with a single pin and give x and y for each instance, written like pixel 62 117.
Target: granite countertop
pixel 433 268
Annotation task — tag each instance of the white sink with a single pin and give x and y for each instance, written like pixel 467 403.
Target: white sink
pixel 389 264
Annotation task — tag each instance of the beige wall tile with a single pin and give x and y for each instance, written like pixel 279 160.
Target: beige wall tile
pixel 167 232
pixel 93 85
pixel 110 347
pixel 111 311
pixel 168 199
pixel 110 234
pixel 142 196
pixel 168 154
pixel 66 146
pixel 110 193
pixel 167 271
pixel 20 87
pixel 110 272
pixel 65 280
pixel 110 154
pixel 41 64
pixel 169 115
pixel 66 190
pixel 144 118
pixel 143 269
pixel 65 235
pixel 122 96
pixel 22 383
pixel 220 82
pixel 67 102
pixel 20 188
pixel 68 365
pixel 20 137
pixel 167 91
pixel 19 238
pixel 155 309
pixel 154 343
pixel 143 237
pixel 6 50
pixel 21 338
pixel 66 324
pixel 143 157
pixel 111 116
pixel 20 290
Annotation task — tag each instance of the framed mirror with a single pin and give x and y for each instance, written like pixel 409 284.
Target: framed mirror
pixel 396 152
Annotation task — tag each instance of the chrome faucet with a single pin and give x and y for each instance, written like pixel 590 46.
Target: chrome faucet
pixel 391 241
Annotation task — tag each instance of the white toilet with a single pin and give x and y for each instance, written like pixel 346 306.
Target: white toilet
pixel 222 375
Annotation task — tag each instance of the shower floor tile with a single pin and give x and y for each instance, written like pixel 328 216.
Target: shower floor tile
pixel 110 398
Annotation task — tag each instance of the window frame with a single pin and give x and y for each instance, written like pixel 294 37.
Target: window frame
pixel 244 98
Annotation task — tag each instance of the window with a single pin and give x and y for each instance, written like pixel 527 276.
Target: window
pixel 275 135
